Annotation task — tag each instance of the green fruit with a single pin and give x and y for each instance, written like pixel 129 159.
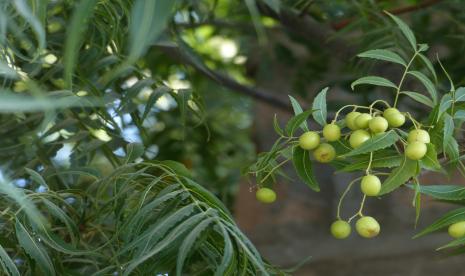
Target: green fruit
pixel 457 230
pixel 378 125
pixel 340 229
pixel 350 120
pixel 309 140
pixel 367 227
pixel 370 185
pixel 415 150
pixel 362 120
pixel 418 135
pixel 358 137
pixel 265 195
pixel 324 153
pixel 394 117
pixel 332 132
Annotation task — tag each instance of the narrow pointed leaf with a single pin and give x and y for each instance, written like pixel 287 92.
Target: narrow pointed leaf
pixel 319 105
pixel 446 220
pixel 296 121
pixel 419 98
pixel 407 169
pixel 374 80
pixel 404 28
pixel 303 167
pixel 378 142
pixel 383 54
pixel 427 83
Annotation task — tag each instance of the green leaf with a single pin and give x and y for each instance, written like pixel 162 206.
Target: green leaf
pixel 133 151
pixel 296 121
pixel 24 10
pixel 446 220
pixel 77 28
pixel 417 201
pixel 452 149
pixel 444 192
pixel 189 242
pixel 7 264
pixel 407 169
pixel 427 83
pixel 7 71
pixel 448 130
pixel 445 104
pixel 149 19
pixel 377 142
pixel 419 98
pixel 459 94
pixel 276 126
pixel 374 80
pixel 379 161
pixel 36 177
pixel 303 167
pixel 454 243
pixel 12 103
pixel 297 110
pixel 459 115
pixel 383 54
pixel 319 105
pixel 430 161
pixel 429 65
pixel 404 28
pixel 275 5
pixel 34 249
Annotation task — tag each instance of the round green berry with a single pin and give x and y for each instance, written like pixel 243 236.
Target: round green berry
pixel 457 230
pixel 415 150
pixel 362 120
pixel 378 125
pixel 340 229
pixel 358 137
pixel 325 153
pixel 265 195
pixel 418 135
pixel 309 140
pixel 350 120
pixel 370 185
pixel 367 227
pixel 332 132
pixel 394 117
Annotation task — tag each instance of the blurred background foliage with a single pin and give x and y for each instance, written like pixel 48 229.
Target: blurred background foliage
pixel 86 83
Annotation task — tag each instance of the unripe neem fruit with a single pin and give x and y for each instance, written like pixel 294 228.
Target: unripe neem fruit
pixel 358 137
pixel 325 153
pixel 457 230
pixel 418 135
pixel 370 185
pixel 340 229
pixel 378 125
pixel 350 120
pixel 265 195
pixel 309 140
pixel 394 117
pixel 367 227
pixel 362 120
pixel 332 132
pixel 415 150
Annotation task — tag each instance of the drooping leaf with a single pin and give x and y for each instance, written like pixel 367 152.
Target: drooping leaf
pixel 276 126
pixel 445 104
pixel 419 98
pixel 448 131
pixel 7 264
pixel 319 105
pixel 374 80
pixel 303 167
pixel 400 175
pixel 427 83
pixel 133 151
pixel 406 31
pixel 383 54
pixel 430 161
pixel 429 65
pixel 34 249
pixel 379 161
pixel 459 94
pixel 444 192
pixel 375 143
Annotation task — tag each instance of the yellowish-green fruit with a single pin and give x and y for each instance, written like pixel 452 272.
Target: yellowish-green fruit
pixel 325 153
pixel 340 229
pixel 362 120
pixel 265 195
pixel 415 150
pixel 309 140
pixel 350 120
pixel 367 227
pixel 358 137
pixel 332 132
pixel 418 135
pixel 370 185
pixel 394 117
pixel 378 125
pixel 457 230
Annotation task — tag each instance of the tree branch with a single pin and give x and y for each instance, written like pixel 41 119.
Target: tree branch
pixel 176 53
pixel 342 24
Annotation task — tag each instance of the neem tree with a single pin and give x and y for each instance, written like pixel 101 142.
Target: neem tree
pixel 390 147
